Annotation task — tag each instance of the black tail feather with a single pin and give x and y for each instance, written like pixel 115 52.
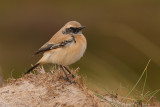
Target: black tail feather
pixel 31 69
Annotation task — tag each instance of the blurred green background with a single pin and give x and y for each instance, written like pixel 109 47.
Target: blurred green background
pixel 122 36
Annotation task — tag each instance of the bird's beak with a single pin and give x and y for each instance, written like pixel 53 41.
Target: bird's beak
pixel 82 27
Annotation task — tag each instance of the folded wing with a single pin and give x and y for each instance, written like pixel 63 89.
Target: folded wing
pixel 48 47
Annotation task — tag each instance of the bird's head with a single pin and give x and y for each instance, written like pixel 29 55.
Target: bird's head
pixel 72 27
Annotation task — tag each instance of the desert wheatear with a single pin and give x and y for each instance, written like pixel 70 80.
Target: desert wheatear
pixel 65 47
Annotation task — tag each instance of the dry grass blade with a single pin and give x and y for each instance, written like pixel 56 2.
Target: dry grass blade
pixel 154 93
pixel 137 81
pixel 101 97
pixel 144 84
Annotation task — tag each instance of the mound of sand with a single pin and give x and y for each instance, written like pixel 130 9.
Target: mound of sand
pixel 48 90
pixel 53 90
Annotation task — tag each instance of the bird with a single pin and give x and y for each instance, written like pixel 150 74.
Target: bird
pixel 66 47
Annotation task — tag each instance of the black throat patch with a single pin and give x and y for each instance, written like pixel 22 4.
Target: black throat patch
pixel 74 39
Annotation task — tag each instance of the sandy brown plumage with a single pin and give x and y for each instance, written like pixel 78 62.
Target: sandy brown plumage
pixel 65 48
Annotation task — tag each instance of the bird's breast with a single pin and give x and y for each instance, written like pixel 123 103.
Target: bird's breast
pixel 71 53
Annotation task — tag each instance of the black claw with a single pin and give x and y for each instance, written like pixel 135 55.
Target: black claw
pixel 69 81
pixel 73 76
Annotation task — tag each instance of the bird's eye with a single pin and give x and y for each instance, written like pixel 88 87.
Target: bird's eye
pixel 71 28
pixel 74 30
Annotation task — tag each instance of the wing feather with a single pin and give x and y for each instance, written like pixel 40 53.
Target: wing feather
pixel 48 47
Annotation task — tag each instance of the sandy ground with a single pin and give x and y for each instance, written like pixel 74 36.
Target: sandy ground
pixel 48 90
pixel 53 90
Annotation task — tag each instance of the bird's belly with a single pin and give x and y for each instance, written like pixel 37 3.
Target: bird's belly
pixel 68 55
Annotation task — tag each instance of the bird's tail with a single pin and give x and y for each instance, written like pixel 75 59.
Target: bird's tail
pixel 32 68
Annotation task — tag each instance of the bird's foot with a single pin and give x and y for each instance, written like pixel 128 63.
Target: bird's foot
pixel 73 76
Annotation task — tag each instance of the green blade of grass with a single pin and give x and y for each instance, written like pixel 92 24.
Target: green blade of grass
pixel 107 91
pixel 144 84
pixel 148 94
pixel 153 95
pixel 101 97
pixel 137 81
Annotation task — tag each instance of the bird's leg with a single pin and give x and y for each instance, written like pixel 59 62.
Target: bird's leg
pixel 65 73
pixel 69 71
